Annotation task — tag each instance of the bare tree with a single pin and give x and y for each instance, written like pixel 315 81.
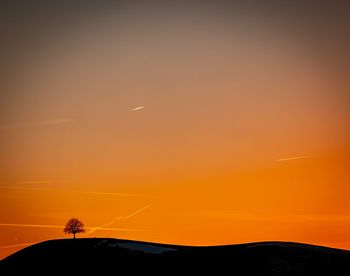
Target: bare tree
pixel 74 226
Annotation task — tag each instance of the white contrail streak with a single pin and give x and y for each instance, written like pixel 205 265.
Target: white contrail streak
pixel 61 227
pixel 137 108
pixel 136 212
pixel 35 182
pixel 30 225
pixel 92 229
pixel 294 158
pixel 71 191
pixel 102 227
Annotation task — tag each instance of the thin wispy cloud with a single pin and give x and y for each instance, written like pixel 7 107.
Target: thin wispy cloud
pixel 121 229
pixel 51 122
pixel 290 158
pixel 67 191
pixel 36 182
pixel 114 220
pixel 30 189
pixel 58 121
pixel 137 108
pixel 110 194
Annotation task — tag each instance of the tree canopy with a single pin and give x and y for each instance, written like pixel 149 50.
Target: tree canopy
pixel 74 226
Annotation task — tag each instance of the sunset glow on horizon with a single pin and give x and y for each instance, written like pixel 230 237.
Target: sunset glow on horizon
pixel 183 125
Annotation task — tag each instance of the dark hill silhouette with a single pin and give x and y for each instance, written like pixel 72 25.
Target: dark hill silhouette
pixel 124 257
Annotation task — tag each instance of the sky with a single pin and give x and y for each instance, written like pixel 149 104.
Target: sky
pixel 197 123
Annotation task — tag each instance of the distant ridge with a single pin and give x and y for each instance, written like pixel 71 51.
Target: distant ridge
pixel 126 257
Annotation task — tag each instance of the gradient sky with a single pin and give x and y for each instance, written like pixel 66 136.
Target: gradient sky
pixel 197 124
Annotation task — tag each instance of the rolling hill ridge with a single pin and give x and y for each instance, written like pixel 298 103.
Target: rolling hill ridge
pixel 114 256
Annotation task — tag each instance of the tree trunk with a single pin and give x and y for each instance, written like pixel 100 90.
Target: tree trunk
pixel 74 236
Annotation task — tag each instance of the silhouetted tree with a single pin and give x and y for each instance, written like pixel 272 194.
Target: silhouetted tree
pixel 74 226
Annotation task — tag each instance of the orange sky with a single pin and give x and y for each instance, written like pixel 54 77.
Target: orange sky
pixel 243 135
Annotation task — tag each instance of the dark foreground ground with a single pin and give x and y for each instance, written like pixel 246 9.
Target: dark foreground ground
pixel 122 257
